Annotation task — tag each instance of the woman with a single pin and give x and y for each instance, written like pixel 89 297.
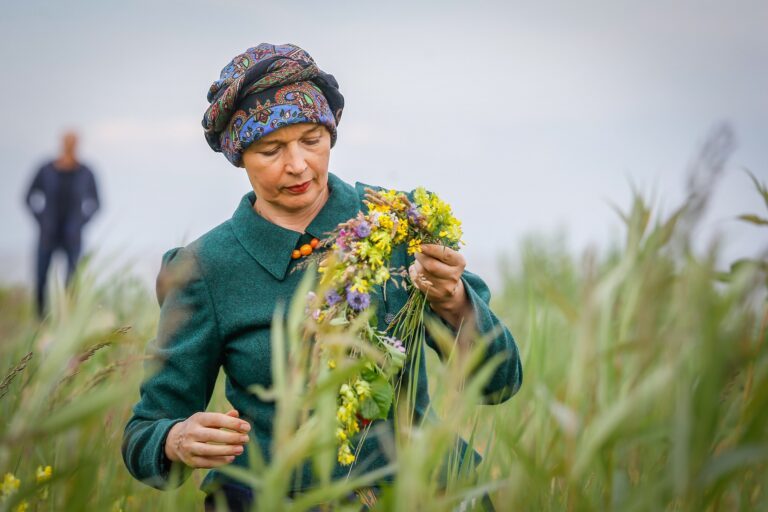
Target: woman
pixel 273 113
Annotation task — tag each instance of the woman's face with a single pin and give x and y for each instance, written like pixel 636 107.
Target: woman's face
pixel 289 167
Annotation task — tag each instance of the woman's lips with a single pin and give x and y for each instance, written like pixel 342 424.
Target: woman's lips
pixel 299 189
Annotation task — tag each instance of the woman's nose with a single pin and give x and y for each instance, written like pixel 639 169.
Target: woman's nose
pixel 295 162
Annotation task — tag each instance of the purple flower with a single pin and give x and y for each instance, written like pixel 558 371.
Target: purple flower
pixel 395 343
pixel 414 214
pixel 363 229
pixel 332 297
pixel 342 240
pixel 357 300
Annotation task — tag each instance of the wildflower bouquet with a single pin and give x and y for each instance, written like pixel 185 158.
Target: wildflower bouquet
pixel 359 261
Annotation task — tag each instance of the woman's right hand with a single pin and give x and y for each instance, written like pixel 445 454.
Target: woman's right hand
pixel 200 442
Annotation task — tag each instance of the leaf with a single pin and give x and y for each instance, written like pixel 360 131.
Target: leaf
pixel 383 394
pixel 748 263
pixel 340 488
pixel 369 409
pixel 264 394
pixel 369 374
pixel 377 405
pixel 623 216
pixel 732 461
pixel 761 188
pixel 754 219
pixel 75 413
pixel 242 475
pixel 339 320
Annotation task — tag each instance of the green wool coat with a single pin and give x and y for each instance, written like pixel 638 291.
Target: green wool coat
pixel 217 298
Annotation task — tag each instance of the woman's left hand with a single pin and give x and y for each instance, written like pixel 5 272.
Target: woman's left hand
pixel 437 272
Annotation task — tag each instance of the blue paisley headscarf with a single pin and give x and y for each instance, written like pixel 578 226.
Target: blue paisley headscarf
pixel 263 89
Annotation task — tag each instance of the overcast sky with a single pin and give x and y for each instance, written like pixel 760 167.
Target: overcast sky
pixel 529 117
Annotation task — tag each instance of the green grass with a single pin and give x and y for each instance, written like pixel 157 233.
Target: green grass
pixel 646 388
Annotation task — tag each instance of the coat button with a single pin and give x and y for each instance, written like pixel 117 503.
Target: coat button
pixel 389 317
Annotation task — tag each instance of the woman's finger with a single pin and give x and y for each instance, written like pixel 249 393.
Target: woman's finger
pixel 418 278
pixel 214 450
pixel 434 288
pixel 214 435
pixel 443 288
pixel 444 254
pixel 438 268
pixel 208 462
pixel 219 420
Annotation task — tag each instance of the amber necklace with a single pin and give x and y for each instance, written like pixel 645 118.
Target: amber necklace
pixel 304 250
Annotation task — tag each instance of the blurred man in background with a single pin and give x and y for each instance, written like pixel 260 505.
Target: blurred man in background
pixel 63 198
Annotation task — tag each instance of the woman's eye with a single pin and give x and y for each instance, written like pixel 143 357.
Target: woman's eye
pixel 271 152
pixel 311 142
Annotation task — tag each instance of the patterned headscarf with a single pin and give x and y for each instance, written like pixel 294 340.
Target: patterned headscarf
pixel 263 89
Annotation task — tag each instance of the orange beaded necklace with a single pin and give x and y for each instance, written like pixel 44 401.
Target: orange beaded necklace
pixel 305 250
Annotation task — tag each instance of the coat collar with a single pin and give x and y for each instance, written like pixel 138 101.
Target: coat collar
pixel 271 245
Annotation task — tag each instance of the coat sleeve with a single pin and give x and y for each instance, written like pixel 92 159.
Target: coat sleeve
pixel 90 198
pixel 508 377
pixel 182 369
pixel 35 188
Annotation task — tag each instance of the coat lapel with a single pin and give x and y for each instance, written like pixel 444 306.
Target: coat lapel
pixel 271 245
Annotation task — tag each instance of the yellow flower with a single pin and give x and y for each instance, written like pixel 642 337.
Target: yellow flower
pixel 401 232
pixel 345 456
pixel 43 474
pixel 414 246
pixel 10 485
pixel 386 222
pixel 389 195
pixel 342 414
pixel 22 507
pixel 380 208
pixel 382 275
pixel 373 255
pixel 363 388
pixel 361 285
pixel 331 364
pixel 440 220
pixel 382 241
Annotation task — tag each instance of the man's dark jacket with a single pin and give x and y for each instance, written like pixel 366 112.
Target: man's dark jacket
pixel 43 200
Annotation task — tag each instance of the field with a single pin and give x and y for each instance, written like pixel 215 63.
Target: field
pixel 646 388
